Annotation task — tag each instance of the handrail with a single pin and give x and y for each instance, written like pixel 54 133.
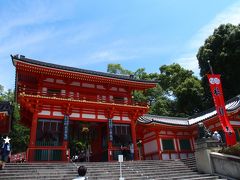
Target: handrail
pixel 77 96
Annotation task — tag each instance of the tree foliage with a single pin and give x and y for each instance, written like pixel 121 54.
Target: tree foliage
pixel 222 49
pixel 117 69
pixel 19 134
pixel 178 92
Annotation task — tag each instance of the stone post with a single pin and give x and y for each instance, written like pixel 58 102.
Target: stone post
pixel 202 154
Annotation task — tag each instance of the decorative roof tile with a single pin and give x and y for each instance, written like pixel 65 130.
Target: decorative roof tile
pixel 231 105
pixel 73 69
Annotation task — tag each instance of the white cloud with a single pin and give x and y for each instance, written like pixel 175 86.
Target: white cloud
pixel 229 15
pixel 109 56
pixel 188 59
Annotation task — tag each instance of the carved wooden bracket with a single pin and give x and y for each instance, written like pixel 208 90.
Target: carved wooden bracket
pixel 109 113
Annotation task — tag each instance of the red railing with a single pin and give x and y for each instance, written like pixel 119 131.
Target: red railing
pixel 83 97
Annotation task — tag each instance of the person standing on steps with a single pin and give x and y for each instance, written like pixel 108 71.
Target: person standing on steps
pixel 5 152
pixel 131 149
pixel 217 136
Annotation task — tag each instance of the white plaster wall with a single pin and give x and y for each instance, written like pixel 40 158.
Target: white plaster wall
pixel 183 155
pixel 165 156
pixel 88 85
pixel 113 89
pixel 75 83
pixel 56 113
pixel 122 90
pixel 174 156
pixel 190 155
pixel 235 122
pixel 101 117
pixel 100 87
pixel 44 113
pixel 116 117
pixel 60 81
pixel 49 80
pixel 125 118
pixel 76 115
pixel 148 135
pixel 150 147
pixel 89 116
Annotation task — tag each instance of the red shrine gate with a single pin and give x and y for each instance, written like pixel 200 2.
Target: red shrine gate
pixel 62 105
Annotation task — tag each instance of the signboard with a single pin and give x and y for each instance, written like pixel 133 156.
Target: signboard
pixel 65 127
pixel 217 94
pixel 120 158
pixel 110 126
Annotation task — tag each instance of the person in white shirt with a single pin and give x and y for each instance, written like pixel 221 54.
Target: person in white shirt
pixel 217 136
pixel 82 170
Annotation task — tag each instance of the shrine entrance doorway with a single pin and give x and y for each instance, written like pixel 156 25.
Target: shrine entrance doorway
pixel 88 141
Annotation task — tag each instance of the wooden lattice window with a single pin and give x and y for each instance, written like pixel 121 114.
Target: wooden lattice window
pixel 168 144
pixel 237 132
pixel 185 144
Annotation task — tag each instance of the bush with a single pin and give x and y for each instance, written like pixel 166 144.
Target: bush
pixel 233 150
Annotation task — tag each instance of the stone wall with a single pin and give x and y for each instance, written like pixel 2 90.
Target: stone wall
pixel 226 165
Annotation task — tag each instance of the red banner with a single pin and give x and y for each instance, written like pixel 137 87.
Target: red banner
pixel 217 94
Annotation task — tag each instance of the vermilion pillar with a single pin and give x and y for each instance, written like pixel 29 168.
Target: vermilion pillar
pixel 33 130
pixel 32 143
pixel 158 144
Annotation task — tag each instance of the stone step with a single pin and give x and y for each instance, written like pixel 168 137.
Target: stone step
pixel 115 164
pixel 198 176
pixel 136 170
pixel 96 173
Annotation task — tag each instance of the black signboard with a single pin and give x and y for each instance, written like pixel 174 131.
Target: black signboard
pixel 110 125
pixel 65 126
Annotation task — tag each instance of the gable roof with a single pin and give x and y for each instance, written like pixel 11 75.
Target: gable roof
pixel 231 106
pixel 73 69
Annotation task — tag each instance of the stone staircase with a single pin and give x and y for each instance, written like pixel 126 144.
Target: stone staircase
pixel 190 162
pixel 136 170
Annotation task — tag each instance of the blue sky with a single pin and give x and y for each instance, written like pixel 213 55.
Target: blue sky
pixel 91 34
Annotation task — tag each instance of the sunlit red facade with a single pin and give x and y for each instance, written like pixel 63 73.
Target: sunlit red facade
pixel 61 104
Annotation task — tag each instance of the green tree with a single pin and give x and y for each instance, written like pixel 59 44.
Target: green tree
pixel 222 49
pixel 19 134
pixel 118 69
pixel 182 88
pixel 171 96
pixel 171 76
pixel 189 95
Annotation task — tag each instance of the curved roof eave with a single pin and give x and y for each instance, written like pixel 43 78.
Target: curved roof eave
pixel 231 106
pixel 78 70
